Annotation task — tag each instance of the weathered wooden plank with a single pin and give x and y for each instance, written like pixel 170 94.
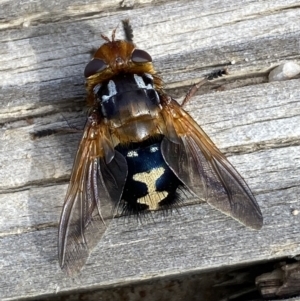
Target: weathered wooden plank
pixel 281 282
pixel 242 120
pixel 31 215
pixel 50 57
pixel 43 53
pixel 164 246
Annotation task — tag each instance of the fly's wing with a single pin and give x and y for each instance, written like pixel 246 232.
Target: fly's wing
pixel 95 189
pixel 198 163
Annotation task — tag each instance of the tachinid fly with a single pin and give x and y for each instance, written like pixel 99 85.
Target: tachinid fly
pixel 138 150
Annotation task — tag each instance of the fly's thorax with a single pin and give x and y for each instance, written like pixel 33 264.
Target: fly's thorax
pixel 130 105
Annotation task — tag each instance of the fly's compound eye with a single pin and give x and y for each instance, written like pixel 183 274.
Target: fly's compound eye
pixel 93 67
pixel 140 56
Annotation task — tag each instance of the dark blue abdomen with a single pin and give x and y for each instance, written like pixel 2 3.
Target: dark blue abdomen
pixel 150 183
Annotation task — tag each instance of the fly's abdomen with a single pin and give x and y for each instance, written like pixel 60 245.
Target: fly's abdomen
pixel 150 183
pixel 130 104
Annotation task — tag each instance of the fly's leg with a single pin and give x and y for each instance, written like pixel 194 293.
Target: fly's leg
pixel 194 88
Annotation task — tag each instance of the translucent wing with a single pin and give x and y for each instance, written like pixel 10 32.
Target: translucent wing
pixel 95 189
pixel 199 164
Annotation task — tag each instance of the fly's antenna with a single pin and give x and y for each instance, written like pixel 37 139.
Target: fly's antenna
pixel 113 35
pixel 128 31
pixel 105 38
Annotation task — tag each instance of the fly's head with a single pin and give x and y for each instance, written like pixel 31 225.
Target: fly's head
pixel 115 57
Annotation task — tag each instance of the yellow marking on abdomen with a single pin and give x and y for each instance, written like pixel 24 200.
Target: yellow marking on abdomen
pixel 153 197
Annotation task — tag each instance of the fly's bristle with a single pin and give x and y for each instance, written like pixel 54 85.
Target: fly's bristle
pixel 217 73
pixel 43 133
pixel 128 31
pixel 49 132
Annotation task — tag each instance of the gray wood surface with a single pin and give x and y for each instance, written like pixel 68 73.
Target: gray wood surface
pixel 44 48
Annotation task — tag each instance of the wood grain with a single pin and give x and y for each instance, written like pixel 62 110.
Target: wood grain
pixel 44 49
